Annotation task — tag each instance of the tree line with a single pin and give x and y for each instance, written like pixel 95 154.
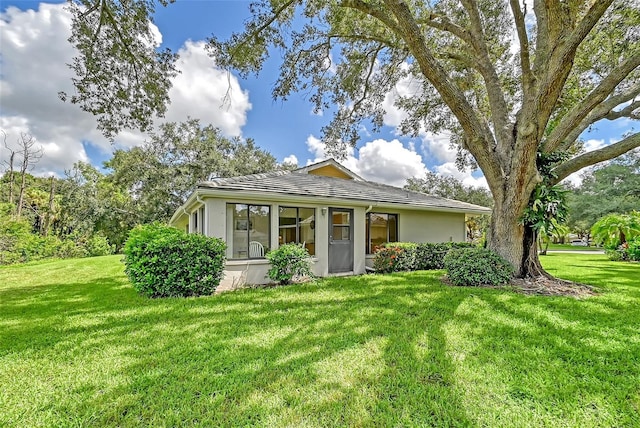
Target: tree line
pixel 89 207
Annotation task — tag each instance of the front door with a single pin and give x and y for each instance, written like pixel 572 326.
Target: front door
pixel 340 240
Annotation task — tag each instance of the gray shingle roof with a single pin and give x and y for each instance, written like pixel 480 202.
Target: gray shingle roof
pixel 300 183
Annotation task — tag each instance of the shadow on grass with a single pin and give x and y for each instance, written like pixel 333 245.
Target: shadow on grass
pixel 357 351
pixel 399 350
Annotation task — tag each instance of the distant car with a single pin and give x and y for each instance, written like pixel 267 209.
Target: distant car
pixel 579 243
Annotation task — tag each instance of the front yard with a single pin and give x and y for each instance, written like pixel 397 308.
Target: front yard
pixel 78 347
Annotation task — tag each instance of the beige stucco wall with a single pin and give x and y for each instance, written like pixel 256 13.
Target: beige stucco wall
pixel 413 226
pixel 430 226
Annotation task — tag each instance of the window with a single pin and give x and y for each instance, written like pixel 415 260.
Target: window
pixel 297 225
pixel 381 228
pixel 248 228
pixel 197 221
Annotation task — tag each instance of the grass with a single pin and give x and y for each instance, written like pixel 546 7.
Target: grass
pixel 569 247
pixel 78 347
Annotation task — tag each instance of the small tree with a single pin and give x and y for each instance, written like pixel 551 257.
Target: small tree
pixel 616 229
pixel 30 156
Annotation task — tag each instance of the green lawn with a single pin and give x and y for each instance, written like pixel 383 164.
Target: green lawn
pixel 569 247
pixel 78 347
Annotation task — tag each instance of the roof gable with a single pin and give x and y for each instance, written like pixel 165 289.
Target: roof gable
pixel 329 168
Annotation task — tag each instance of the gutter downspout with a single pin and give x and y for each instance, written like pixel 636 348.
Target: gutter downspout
pixel 204 210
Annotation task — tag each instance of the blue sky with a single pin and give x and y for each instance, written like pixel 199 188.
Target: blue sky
pixel 34 52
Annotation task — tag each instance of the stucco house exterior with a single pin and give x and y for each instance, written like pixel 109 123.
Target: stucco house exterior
pixel 338 216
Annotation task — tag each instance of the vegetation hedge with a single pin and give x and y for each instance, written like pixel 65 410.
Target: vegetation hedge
pixel 431 255
pixel 408 256
pixel 289 261
pixel 162 261
pixel 477 266
pixel 19 244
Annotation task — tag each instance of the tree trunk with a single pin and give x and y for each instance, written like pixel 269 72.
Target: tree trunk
pixel 23 185
pixel 49 217
pixel 513 241
pixel 11 176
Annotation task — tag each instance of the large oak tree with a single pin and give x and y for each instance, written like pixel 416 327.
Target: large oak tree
pixel 515 86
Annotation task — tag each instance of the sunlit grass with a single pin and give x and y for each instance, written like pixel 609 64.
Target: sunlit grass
pixel 78 347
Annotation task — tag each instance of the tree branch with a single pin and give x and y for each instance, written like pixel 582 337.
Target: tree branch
pixel 604 111
pixel 625 112
pixel 573 118
pixel 444 24
pixel 528 80
pixel 611 151
pixel 479 139
pixel 499 111
pixel 372 11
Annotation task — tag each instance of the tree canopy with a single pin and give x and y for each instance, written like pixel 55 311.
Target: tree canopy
pixel 610 188
pixel 510 83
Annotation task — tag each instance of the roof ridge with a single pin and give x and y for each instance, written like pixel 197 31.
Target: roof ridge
pixel 221 181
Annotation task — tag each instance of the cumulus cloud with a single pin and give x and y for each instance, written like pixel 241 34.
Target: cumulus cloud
pixel 291 159
pixel 449 169
pixel 34 55
pixel 388 162
pixel 203 91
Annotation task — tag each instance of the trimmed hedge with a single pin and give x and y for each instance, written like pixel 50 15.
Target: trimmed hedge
pixel 430 256
pixel 477 266
pixel 288 262
pixel 162 261
pixel 407 256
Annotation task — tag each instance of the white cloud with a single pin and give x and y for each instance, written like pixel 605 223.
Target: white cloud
pixel 292 159
pixel 199 92
pixel 387 162
pixel 35 53
pixel 406 87
pixel 437 147
pixel 466 177
pixel 591 145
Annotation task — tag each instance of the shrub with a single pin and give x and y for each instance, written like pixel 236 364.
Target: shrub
pixel 385 259
pixel 431 255
pixel 395 257
pixel 633 249
pixel 98 245
pixel 165 262
pixel 289 261
pixel 477 266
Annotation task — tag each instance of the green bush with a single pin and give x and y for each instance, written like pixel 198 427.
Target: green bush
pixel 477 266
pixel 431 255
pixel 162 261
pixel 385 259
pixel 395 257
pixel 633 249
pixel 289 261
pixel 98 245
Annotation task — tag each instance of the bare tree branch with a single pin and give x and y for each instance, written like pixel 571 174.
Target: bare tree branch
pixel 611 151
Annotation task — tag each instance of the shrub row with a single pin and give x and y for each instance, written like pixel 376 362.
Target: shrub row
pixel 407 256
pixel 465 263
pixel 162 261
pixel 19 245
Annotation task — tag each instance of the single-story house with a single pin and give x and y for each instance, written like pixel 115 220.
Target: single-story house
pixel 338 216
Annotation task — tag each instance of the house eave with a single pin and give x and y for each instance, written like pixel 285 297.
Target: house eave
pixel 271 196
